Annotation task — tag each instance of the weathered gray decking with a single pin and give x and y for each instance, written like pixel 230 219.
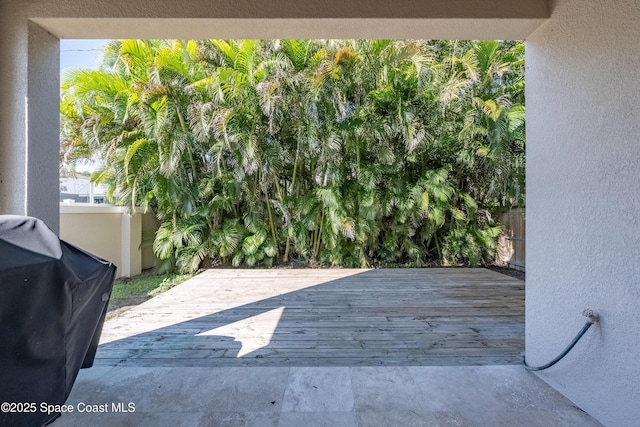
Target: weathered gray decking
pixel 324 317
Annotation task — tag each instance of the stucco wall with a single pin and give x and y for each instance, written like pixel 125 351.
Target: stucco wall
pixel 583 204
pixel 107 232
pixel 97 233
pixel 14 38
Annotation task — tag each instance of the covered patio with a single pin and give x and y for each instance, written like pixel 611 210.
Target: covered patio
pixel 582 144
pixel 335 347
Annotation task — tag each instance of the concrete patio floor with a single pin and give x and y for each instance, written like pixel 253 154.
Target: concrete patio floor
pixel 305 348
pixel 320 396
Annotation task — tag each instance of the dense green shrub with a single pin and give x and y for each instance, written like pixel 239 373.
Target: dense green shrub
pixel 353 153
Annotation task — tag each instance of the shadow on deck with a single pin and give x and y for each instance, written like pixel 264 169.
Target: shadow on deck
pixel 324 317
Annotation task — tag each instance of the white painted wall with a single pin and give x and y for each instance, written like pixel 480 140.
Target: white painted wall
pixel 583 203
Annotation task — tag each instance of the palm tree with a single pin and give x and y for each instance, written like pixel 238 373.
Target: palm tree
pixel 345 152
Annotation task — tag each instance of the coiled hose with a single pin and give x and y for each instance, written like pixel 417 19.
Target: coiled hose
pixel 593 318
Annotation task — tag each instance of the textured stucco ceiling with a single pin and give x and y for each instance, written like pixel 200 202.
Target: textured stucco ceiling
pixel 291 18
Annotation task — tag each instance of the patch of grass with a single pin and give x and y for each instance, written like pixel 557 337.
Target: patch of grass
pixel 132 291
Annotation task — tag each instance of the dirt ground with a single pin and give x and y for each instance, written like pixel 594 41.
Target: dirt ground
pixel 509 272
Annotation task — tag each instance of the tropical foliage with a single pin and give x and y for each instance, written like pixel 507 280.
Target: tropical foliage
pixel 353 153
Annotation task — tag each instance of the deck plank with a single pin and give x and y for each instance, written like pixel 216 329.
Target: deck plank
pixel 324 317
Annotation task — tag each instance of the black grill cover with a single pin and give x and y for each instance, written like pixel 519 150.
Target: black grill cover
pixel 53 300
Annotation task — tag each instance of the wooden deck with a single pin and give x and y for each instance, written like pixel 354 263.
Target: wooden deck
pixel 324 317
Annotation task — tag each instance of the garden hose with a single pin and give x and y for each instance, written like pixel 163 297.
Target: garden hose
pixel 593 318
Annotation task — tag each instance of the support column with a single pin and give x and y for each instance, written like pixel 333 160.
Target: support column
pixel 13 94
pixel 42 185
pixel 29 118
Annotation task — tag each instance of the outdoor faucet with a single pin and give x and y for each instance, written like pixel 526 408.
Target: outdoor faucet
pixel 592 315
